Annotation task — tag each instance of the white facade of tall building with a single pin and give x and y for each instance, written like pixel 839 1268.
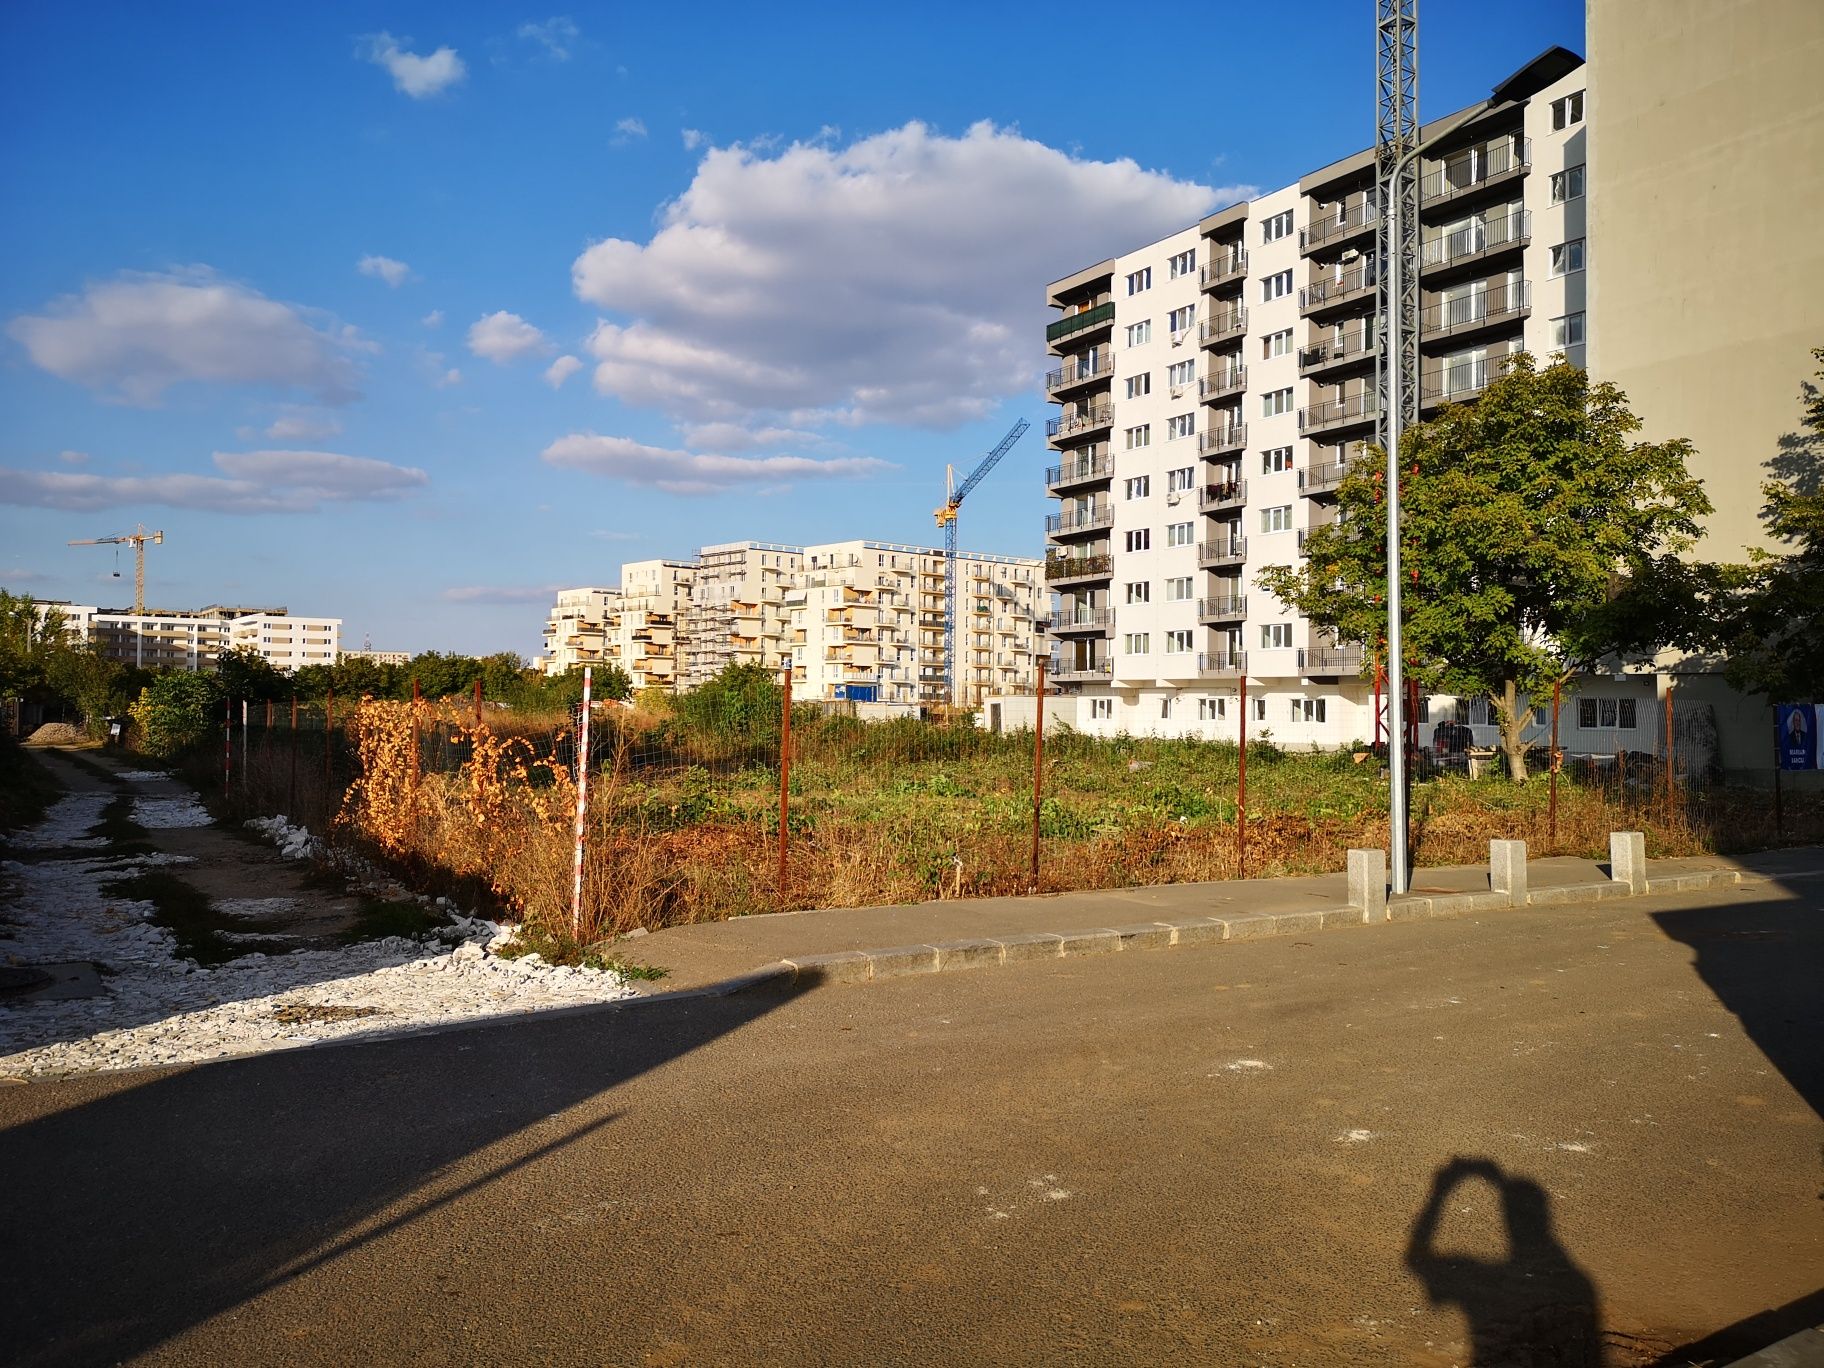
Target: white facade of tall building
pixel 192 639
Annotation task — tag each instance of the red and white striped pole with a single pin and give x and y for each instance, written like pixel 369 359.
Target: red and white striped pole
pixel 582 806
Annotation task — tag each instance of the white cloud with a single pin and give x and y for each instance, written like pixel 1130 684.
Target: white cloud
pixel 561 370
pixel 733 436
pixel 302 425
pixel 448 380
pixel 693 138
pixel 688 472
pixel 250 482
pixel 605 534
pixel 394 273
pixel 502 593
pixel 896 279
pixel 419 77
pixel 21 576
pixel 137 335
pixel 501 337
pixel 626 130
pixel 556 35
pixel 434 319
pixel 73 457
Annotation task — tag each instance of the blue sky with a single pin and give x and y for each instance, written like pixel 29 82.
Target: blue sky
pixel 297 284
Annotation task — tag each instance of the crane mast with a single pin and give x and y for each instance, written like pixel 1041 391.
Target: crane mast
pixel 946 519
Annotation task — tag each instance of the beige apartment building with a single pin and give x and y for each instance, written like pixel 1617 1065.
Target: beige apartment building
pixel 737 612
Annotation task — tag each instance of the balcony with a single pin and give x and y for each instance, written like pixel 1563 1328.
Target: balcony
pixel 1076 424
pixel 1479 168
pixel 1477 242
pixel 1220 384
pixel 1322 479
pixel 1080 370
pixel 1215 663
pixel 1102 316
pixel 1460 384
pixel 1337 413
pixel 1218 439
pixel 1083 520
pixel 1352 286
pixel 1085 620
pixel 1079 472
pixel 1065 672
pixel 1225 267
pixel 1227 608
pixel 1329 662
pixel 1355 347
pixel 1069 569
pixel 1227 494
pixel 1490 308
pixel 1224 327
pixel 1222 551
pixel 1338 226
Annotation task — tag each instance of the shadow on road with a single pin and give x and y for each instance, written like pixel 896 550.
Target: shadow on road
pixel 152 1209
pixel 1536 1306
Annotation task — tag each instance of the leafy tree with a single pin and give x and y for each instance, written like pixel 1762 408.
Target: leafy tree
pixel 246 674
pixel 1536 536
pixel 91 681
pixel 740 704
pixel 27 646
pixel 177 710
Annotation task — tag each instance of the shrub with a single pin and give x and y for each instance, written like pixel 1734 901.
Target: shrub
pixel 175 711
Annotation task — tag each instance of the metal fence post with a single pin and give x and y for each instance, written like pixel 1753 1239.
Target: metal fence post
pixel 329 731
pixel 291 804
pixel 1241 790
pixel 227 743
pixel 1038 768
pixel 243 745
pixel 1552 803
pixel 785 769
pixel 417 698
pixel 582 805
pixel 478 702
pixel 1670 690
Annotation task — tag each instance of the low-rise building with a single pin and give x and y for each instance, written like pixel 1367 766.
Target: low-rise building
pixel 192 638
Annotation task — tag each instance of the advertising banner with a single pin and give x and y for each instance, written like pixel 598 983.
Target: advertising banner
pixel 1797 732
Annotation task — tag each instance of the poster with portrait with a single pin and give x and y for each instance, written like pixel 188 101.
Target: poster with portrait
pixel 1797 731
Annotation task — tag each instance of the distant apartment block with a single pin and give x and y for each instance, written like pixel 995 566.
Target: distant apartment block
pixel 378 657
pixel 192 639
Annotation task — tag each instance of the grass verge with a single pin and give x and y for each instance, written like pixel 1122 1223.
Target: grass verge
pixel 376 919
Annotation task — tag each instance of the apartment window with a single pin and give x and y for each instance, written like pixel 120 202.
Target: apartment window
pixel 1567 110
pixel 1178 589
pixel 1567 184
pixel 1211 709
pixel 1260 709
pixel 1137 643
pixel 1178 534
pixel 1140 539
pixel 1181 426
pixel 1140 591
pixel 1140 333
pixel 1567 257
pixel 1275 636
pixel 1567 331
pixel 1139 280
pixel 1276 402
pixel 1184 263
pixel 1181 479
pixel 1276 519
pixel 1101 708
pixel 1307 710
pixel 1274 228
pixel 1139 486
pixel 1139 386
pixel 1276 344
pixel 1275 459
pixel 1180 320
pixel 1177 642
pixel 1140 436
pixel 1180 373
pixel 1276 286
pixel 1619 713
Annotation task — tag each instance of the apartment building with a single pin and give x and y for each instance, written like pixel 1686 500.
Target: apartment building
pixel 643 630
pixel 191 639
pixel 576 630
pixel 737 613
pixel 1215 386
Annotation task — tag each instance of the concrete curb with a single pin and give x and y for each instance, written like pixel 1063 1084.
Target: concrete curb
pixel 1803 1350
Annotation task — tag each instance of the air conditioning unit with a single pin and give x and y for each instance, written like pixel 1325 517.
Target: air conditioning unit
pixel 1179 336
pixel 1173 497
pixel 1177 391
pixel 1353 254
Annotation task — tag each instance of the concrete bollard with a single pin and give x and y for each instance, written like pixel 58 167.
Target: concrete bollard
pixel 1507 870
pixel 1368 883
pixel 1628 859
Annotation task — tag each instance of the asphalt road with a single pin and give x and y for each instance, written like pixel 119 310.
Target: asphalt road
pixel 1536 1137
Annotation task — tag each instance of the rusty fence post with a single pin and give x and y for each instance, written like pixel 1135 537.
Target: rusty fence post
pixel 1551 807
pixel 329 731
pixel 1241 790
pixel 291 803
pixel 1671 688
pixel 243 745
pixel 582 804
pixel 478 702
pixel 785 770
pixel 1038 768
pixel 1779 759
pixel 417 699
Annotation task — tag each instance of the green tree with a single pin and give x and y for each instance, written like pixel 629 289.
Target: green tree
pixel 1537 538
pixel 177 710
pixel 741 703
pixel 28 644
pixel 246 674
pixel 92 682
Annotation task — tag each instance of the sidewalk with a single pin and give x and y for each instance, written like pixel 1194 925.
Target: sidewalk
pixel 858 944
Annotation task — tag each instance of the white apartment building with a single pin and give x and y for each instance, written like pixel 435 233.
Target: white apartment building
pixel 576 630
pixel 288 642
pixel 737 613
pixel 191 639
pixel 1214 387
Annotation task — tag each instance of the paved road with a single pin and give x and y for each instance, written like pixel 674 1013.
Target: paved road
pixel 1235 1155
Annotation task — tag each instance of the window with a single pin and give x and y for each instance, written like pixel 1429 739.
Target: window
pixel 1178 589
pixel 1140 280
pixel 1275 636
pixel 1137 643
pixel 1275 402
pixel 1276 286
pixel 1181 426
pixel 1275 459
pixel 1139 486
pixel 1177 642
pixel 1140 539
pixel 1568 331
pixel 1140 591
pixel 1103 708
pixel 1274 228
pixel 1185 263
pixel 1260 709
pixel 1178 534
pixel 1140 333
pixel 1567 257
pixel 1140 436
pixel 1567 184
pixel 1620 713
pixel 1307 710
pixel 1179 373
pixel 1177 481
pixel 1276 519
pixel 1211 709
pixel 1180 320
pixel 1138 386
pixel 1567 110
pixel 1276 344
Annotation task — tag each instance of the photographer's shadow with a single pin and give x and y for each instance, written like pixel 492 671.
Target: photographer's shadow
pixel 1536 1306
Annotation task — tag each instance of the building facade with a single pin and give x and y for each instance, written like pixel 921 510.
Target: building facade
pixel 192 639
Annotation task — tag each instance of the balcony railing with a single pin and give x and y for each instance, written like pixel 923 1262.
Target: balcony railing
pixel 1082 520
pixel 1222 663
pixel 1316 662
pixel 1085 620
pixel 1338 226
pixel 1355 345
pixel 1079 472
pixel 1322 479
pixel 1077 567
pixel 1230 323
pixel 1461 383
pixel 1224 609
pixel 1230 438
pixel 1489 164
pixel 1358 282
pixel 1071 324
pixel 1224 267
pixel 1334 413
pixel 1081 370
pixel 1068 425
pixel 1219 384
pixel 1081 669
pixel 1498 304
pixel 1227 494
pixel 1222 551
pixel 1478 240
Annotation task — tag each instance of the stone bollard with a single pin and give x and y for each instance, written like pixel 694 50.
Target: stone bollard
pixel 1507 870
pixel 1628 859
pixel 1368 883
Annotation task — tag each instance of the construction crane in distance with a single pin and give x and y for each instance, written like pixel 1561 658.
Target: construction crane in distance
pixel 137 539
pixel 946 519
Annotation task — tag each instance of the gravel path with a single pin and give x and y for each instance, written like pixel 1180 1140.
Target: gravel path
pixel 158 1007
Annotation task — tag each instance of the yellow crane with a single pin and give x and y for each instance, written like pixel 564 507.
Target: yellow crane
pixel 137 539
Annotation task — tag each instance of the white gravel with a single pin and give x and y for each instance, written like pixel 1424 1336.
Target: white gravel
pixel 65 826
pixel 167 814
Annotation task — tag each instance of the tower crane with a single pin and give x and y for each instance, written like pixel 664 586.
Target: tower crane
pixel 137 539
pixel 954 495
